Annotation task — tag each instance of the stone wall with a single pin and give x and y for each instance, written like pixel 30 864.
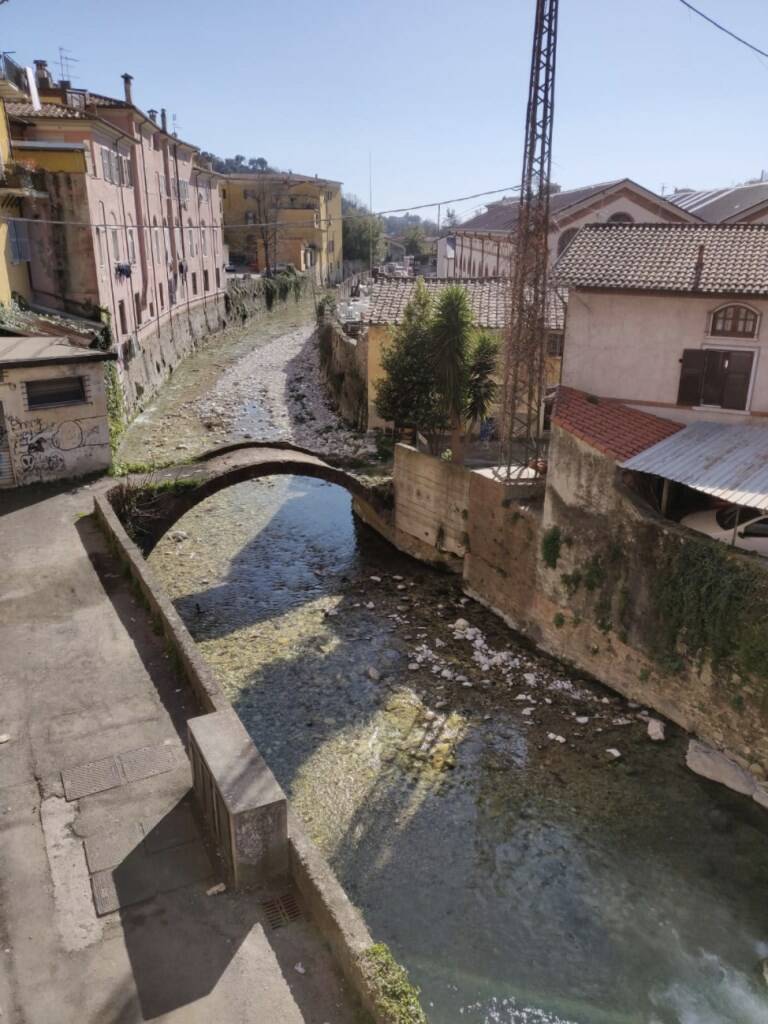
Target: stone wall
pixel 593 579
pixel 344 361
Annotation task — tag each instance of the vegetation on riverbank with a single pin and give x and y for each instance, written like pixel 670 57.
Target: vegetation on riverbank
pixel 395 997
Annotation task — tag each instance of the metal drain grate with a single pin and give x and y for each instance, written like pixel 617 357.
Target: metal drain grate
pixel 281 910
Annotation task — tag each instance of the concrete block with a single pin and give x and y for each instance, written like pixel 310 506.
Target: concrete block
pixel 240 798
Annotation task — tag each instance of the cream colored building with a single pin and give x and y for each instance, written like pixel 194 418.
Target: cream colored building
pixel 670 318
pixel 53 410
pixel 484 245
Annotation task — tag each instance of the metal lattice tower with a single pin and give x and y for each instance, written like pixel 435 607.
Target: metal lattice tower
pixel 524 379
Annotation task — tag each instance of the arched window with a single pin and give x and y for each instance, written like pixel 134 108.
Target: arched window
pixel 734 322
pixel 621 218
pixel 565 240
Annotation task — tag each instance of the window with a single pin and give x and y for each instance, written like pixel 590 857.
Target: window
pixel 250 217
pixel 203 239
pixel 758 528
pixel 156 238
pixel 183 187
pixel 122 316
pixel 137 306
pixel 555 341
pixel 218 279
pixel 710 376
pixel 223 193
pixel 331 246
pixel 19 239
pixel 115 239
pixel 162 297
pixel 249 193
pixel 152 310
pixel 194 283
pixel 734 322
pixel 565 240
pixel 106 167
pixel 45 394
pixel 621 218
pixel 206 283
pixel 131 241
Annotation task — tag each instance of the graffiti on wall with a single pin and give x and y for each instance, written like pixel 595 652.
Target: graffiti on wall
pixel 41 448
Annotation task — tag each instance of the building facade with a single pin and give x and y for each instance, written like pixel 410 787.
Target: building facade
pixel 274 219
pixel 125 225
pixel 484 246
pixel 670 318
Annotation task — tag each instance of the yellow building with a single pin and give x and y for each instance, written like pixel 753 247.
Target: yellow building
pixel 273 219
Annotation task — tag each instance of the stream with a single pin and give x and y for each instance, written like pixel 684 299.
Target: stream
pixel 464 787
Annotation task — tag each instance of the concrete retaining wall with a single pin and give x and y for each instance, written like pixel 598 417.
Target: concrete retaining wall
pixel 431 500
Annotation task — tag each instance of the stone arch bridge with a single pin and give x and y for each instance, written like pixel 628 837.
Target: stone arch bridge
pixel 150 507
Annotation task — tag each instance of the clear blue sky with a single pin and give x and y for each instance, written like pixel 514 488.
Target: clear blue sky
pixel 436 90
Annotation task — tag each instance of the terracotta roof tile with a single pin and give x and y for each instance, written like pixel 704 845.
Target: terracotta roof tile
pixel 21 108
pixel 711 259
pixel 612 428
pixel 489 298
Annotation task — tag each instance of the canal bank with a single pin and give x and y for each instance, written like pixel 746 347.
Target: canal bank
pixel 521 871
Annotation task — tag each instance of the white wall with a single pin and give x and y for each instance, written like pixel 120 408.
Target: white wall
pixel 629 346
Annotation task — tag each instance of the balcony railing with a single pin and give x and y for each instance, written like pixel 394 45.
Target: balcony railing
pixel 13 74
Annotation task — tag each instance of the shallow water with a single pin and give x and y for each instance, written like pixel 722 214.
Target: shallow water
pixel 520 878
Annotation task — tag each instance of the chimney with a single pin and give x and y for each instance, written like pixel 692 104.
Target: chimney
pixel 127 79
pixel 152 116
pixel 163 119
pixel 43 75
pixel 699 270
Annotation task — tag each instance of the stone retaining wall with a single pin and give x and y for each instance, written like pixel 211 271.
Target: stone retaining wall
pixel 344 362
pixel 594 605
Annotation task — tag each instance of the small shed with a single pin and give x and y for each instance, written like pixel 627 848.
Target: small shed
pixel 53 410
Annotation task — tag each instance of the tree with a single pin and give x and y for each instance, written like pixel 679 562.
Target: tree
pixel 481 386
pixel 450 346
pixel 406 394
pixel 361 231
pixel 415 241
pixel 451 220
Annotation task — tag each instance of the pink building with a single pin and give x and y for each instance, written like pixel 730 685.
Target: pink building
pixel 130 225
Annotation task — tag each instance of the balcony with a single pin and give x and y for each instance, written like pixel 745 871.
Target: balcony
pixel 13 79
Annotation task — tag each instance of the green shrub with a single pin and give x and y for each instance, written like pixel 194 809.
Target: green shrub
pixel 551 543
pixel 395 997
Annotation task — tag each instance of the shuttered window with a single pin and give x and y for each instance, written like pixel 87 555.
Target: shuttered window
pixel 715 377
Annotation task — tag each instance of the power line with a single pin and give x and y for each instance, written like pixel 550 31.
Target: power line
pixel 722 28
pixel 324 221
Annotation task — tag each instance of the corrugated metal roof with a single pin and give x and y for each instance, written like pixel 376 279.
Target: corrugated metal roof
pixel 729 462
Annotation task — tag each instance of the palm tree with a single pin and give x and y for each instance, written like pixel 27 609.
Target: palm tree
pixel 481 386
pixel 450 344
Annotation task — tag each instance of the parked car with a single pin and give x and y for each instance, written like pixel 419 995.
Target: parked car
pixel 743 527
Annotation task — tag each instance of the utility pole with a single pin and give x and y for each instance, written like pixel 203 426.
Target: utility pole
pixel 525 362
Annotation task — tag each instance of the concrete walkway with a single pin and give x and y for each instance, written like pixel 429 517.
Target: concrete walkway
pixel 104 873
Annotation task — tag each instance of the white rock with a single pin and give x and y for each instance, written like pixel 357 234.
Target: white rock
pixel 375 579
pixel 460 624
pixel 374 674
pixel 582 719
pixel 656 730
pixel 522 696
pixel 398 578
pixel 530 678
pixel 614 753
pixel 5 737
pixel 527 711
pixel 369 605
pixel 299 968
pixel 467 685
pixel 216 890
pixel 179 536
pixel 718 767
pixel 413 666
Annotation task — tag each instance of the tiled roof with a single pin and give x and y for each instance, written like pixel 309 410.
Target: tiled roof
pixel 488 297
pixel 612 428
pixel 712 259
pixel 22 108
pixel 716 205
pixel 98 100
pixel 502 216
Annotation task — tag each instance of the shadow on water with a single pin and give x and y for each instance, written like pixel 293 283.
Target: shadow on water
pixel 633 892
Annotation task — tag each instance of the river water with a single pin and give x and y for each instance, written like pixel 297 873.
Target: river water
pixel 459 782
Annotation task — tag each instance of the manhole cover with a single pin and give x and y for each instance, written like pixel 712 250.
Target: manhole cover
pixel 93 777
pixel 281 910
pixel 146 761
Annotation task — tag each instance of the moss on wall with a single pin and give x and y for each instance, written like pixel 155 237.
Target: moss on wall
pixel 395 998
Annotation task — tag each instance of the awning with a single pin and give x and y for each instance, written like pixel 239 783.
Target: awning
pixel 724 460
